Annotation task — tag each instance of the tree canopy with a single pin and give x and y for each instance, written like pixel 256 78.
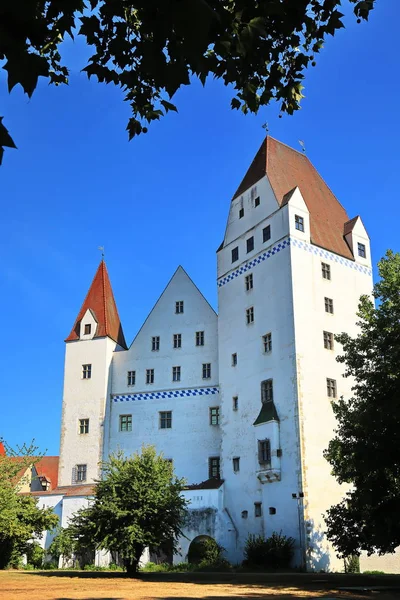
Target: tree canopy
pixel 138 503
pixel 150 48
pixel 365 451
pixel 20 518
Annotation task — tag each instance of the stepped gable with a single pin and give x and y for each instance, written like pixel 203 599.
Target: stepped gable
pixel 100 301
pixel 286 169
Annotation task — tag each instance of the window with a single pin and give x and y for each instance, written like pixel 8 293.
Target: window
pixel 267 342
pixel 179 307
pixel 257 201
pixel 199 338
pixel 131 377
pixel 83 426
pixel 81 472
pixel 155 343
pixel 249 315
pixel 235 402
pixel 361 250
pixel 267 233
pixel 248 280
pixel 206 370
pixel 257 509
pixel 331 388
pixel 299 222
pixel 166 419
pixel 235 254
pixel 88 329
pixel 86 371
pixel 234 359
pixel 149 375
pixel 326 270
pixel 213 467
pixel 176 373
pixel 241 213
pixel 214 415
pixel 267 391
pixel 177 340
pixel 250 244
pixel 329 305
pixel 328 340
pixel 125 422
pixel 236 464
pixel 264 452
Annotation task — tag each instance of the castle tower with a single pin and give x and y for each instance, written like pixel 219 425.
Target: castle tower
pixel 291 269
pixel 96 334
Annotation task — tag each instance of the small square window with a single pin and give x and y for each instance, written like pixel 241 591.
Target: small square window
pixel 179 307
pixel 235 402
pixel 267 233
pixel 257 201
pixel 235 254
pixel 155 343
pixel 125 422
pixel 250 244
pixel 241 213
pixel 86 371
pixel 267 342
pixel 329 305
pixel 214 415
pixel 267 391
pixel 264 452
pixel 326 270
pixel 83 426
pixel 88 329
pixel 149 375
pixel 176 373
pixel 214 467
pixel 299 222
pixel 166 419
pixel 177 340
pixel 331 388
pixel 131 377
pixel 257 509
pixel 361 250
pixel 236 464
pixel 199 338
pixel 206 370
pixel 328 340
pixel 81 471
pixel 250 315
pixel 248 280
pixel 234 359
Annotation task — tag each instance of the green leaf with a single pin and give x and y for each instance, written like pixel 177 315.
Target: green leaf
pixel 25 68
pixel 168 106
pixel 5 140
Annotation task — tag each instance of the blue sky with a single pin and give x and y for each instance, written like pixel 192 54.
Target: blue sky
pixel 76 183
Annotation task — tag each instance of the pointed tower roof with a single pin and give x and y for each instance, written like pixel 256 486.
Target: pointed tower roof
pixel 286 169
pixel 100 301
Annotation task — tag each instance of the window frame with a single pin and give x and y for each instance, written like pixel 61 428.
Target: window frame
pixel 329 305
pixel 236 464
pixel 267 343
pixel 176 373
pixel 149 376
pixel 267 390
pixel 88 329
pixel 214 465
pixel 258 509
pixel 266 232
pixel 250 244
pixel 165 419
pixel 328 340
pixel 131 378
pixel 199 337
pixel 264 451
pixel 81 473
pixel 241 212
pixel 235 254
pixel 125 423
pixel 235 403
pixel 331 387
pixel 248 282
pixel 214 414
pixel 299 223
pixel 87 371
pixel 176 341
pixel 206 371
pixel 256 201
pixel 249 315
pixel 362 250
pixel 155 343
pixel 234 359
pixel 179 307
pixel 83 426
pixel 326 271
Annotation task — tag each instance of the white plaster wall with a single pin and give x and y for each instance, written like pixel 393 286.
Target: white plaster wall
pixel 388 563
pixel 71 505
pixel 56 503
pixel 314 365
pixel 84 398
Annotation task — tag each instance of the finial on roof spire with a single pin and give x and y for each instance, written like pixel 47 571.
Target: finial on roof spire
pixel 303 146
pixel 102 251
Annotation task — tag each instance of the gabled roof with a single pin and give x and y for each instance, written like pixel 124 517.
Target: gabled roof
pixel 349 226
pixel 286 169
pixel 100 301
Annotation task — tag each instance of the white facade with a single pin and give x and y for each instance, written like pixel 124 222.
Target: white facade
pixel 191 381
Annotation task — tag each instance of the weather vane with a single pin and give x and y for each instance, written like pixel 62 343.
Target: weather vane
pixel 102 251
pixel 303 146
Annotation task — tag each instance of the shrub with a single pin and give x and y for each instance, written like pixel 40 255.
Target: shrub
pixel 275 552
pixel 35 555
pixel 205 550
pixel 352 564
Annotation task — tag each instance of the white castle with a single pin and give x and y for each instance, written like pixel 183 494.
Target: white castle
pixel 239 401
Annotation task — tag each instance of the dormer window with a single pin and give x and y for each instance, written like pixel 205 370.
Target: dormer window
pixel 361 250
pixel 88 329
pixel 241 213
pixel 299 222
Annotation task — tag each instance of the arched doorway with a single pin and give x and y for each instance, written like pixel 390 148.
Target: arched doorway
pixel 202 547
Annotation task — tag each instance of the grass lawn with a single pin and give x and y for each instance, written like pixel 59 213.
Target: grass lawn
pixel 84 585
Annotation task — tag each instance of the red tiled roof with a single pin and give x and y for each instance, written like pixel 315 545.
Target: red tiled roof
pixel 286 169
pixel 67 490
pixel 2 449
pixel 348 227
pixel 48 467
pixel 209 484
pixel 100 300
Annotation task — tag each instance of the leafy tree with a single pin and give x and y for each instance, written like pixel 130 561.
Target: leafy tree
pixel 150 48
pixel 137 504
pixel 365 451
pixel 20 518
